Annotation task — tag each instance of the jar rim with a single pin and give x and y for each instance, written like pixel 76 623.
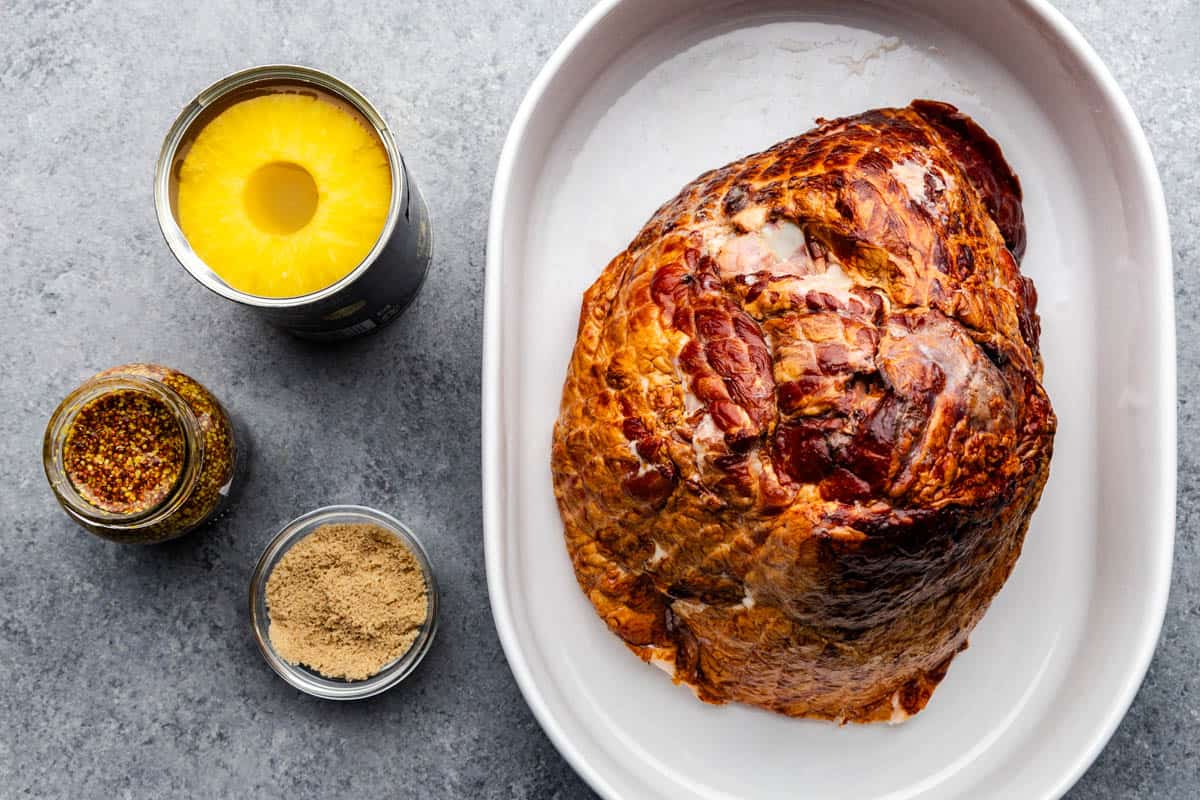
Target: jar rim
pixel 55 437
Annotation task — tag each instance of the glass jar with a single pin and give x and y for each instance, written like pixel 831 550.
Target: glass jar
pixel 300 676
pixel 141 453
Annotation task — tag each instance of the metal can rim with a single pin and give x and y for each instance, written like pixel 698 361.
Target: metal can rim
pixel 169 225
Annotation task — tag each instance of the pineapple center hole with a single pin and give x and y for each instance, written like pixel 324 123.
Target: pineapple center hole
pixel 280 197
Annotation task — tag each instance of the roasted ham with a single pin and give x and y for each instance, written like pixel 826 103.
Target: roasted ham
pixel 803 429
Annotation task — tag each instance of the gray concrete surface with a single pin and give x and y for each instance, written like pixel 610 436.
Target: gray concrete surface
pixel 128 672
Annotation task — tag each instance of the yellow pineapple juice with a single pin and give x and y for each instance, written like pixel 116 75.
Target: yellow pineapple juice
pixel 281 188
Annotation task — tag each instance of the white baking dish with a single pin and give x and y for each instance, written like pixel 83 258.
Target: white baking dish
pixel 644 95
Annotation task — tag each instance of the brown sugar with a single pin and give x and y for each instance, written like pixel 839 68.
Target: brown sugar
pixel 346 600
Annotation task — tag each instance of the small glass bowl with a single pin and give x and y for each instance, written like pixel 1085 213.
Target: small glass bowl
pixel 301 677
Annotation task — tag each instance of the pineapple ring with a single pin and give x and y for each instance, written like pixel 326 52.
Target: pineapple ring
pixel 282 195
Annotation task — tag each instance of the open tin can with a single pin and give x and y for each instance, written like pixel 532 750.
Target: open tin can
pixel 384 282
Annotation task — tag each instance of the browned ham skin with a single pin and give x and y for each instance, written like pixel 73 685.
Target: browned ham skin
pixel 803 430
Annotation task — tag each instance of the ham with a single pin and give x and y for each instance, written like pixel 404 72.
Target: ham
pixel 828 467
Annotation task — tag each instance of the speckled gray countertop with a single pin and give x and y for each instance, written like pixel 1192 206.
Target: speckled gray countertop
pixel 130 672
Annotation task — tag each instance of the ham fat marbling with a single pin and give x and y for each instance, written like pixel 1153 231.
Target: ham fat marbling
pixel 803 429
